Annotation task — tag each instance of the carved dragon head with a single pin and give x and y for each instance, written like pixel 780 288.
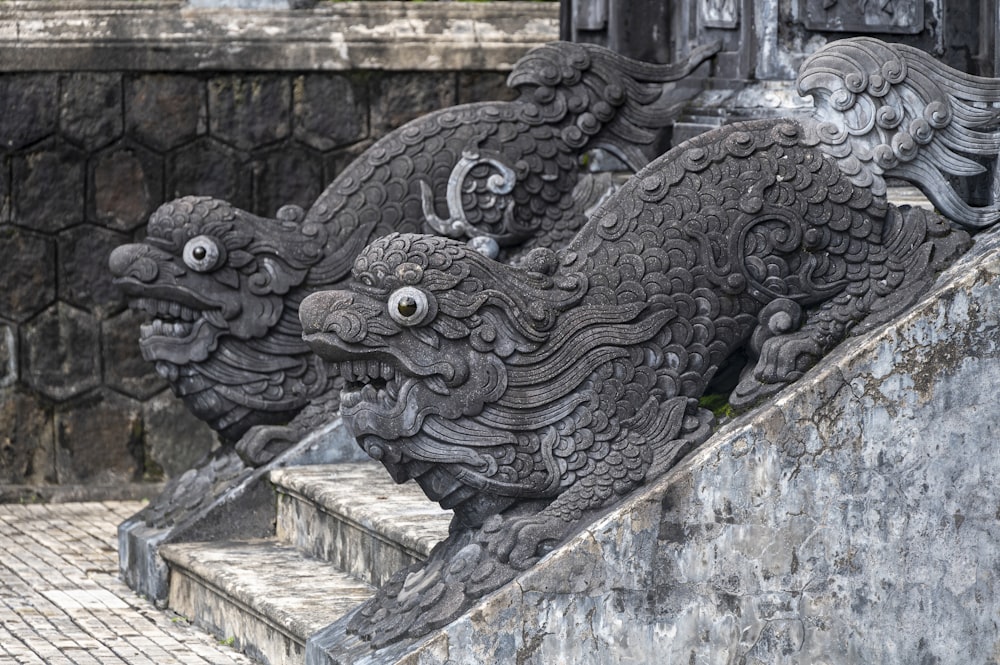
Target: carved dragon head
pixel 218 284
pixel 459 372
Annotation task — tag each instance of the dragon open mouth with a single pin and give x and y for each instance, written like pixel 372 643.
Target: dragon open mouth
pixel 176 333
pixel 369 381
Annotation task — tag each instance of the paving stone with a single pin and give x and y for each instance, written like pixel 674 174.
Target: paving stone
pixel 330 110
pixel 209 168
pixel 30 108
pixel 99 439
pixel 27 441
pixel 126 185
pixel 249 111
pixel 84 278
pixel 164 111
pixel 397 98
pixel 48 188
pixel 27 272
pixel 291 174
pixel 88 616
pixel 60 352
pixel 90 108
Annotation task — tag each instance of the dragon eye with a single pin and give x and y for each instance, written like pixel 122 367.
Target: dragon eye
pixel 408 306
pixel 202 253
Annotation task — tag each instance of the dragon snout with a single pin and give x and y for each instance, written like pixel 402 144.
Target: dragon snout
pixel 134 261
pixel 331 312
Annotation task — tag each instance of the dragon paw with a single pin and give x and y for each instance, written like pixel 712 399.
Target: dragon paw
pixel 783 360
pixel 521 541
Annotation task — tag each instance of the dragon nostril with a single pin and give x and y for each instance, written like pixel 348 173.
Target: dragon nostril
pixel 133 261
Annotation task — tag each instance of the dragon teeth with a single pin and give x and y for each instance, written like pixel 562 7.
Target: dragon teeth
pixel 347 372
pixel 174 310
pixel 161 328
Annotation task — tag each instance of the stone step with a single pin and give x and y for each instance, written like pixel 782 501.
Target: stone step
pixel 354 516
pixel 264 596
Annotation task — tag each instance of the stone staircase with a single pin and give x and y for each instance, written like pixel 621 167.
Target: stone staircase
pixel 341 530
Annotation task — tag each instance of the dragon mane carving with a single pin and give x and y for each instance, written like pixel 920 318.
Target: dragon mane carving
pixel 529 398
pixel 223 286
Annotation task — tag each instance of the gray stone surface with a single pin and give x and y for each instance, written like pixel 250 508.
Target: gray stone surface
pixel 165 110
pixel 125 184
pixel 60 352
pixel 27 270
pixel 82 278
pixel 29 111
pixel 48 187
pixel 268 597
pixel 61 601
pixel 107 114
pixel 149 36
pixel 90 108
pixel 851 520
pixel 99 439
pixel 27 442
pixel 331 110
pixel 249 110
pixel 355 516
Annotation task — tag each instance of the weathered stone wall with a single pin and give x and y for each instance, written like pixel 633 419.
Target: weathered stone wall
pixel 853 520
pixel 111 109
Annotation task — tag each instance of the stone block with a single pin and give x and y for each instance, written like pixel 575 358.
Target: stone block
pixel 8 354
pixel 27 271
pixel 126 185
pixel 209 168
pixel 48 188
pixel 60 352
pixel 84 278
pixel 329 110
pixel 4 189
pixel 290 174
pixel 163 111
pixel 90 109
pixel 125 369
pixel 249 111
pixel 30 106
pixel 99 439
pixel 174 439
pixel 27 443
pixel 397 98
pixel 483 87
pixel 338 160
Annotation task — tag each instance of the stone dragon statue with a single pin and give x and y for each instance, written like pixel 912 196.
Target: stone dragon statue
pixel 529 398
pixel 223 286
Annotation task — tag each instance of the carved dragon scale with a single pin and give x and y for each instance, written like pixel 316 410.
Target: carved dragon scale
pixel 530 397
pixel 222 286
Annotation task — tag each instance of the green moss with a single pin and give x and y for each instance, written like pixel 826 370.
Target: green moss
pixel 718 404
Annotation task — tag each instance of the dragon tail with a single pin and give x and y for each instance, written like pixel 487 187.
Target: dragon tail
pixel 890 110
pixel 605 100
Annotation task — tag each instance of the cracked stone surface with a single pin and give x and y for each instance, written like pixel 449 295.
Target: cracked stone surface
pixel 854 519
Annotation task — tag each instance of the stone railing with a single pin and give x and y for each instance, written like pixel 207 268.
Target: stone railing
pixel 112 108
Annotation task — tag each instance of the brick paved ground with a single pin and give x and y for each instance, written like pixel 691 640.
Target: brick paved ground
pixel 61 600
